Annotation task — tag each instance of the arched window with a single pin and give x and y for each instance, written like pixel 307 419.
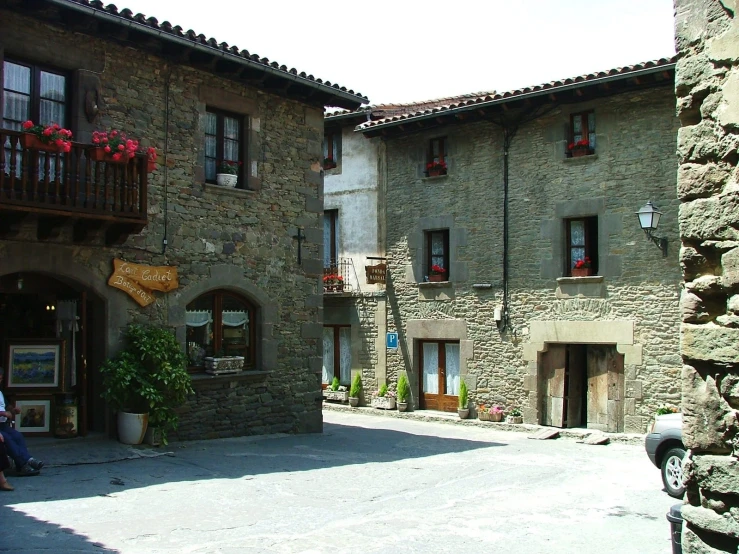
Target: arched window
pixel 220 323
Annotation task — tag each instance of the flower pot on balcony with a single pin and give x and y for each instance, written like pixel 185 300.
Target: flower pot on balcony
pixel 100 155
pixel 436 278
pixel 226 180
pixel 580 271
pixel 32 142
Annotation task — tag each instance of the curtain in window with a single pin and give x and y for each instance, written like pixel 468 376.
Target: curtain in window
pixel 17 95
pixel 198 318
pixel 230 138
pixel 345 352
pixel 52 99
pixel 591 129
pixel 577 241
pixel 328 219
pixel 327 372
pixel 210 145
pixel 431 368
pixel 234 319
pixel 452 369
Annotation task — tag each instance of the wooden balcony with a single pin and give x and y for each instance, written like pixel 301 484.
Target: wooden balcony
pixel 58 190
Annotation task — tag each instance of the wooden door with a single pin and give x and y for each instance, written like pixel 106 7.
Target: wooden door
pixel 575 384
pixel 440 375
pixel 615 368
pixel 597 388
pixel 553 365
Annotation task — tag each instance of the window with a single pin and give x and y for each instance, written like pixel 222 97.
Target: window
pixel 437 255
pixel 581 139
pixel 34 93
pixel 220 323
pixel 436 161
pixel 582 242
pixel 330 238
pixel 331 140
pixel 223 142
pixel 337 354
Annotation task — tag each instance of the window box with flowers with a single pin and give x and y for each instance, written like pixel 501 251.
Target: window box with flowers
pixel 581 268
pixel 514 415
pixel 384 399
pixel 333 283
pixel 48 138
pixel 228 173
pixel 579 148
pixel 115 147
pixel 436 168
pixel 494 413
pixel 437 274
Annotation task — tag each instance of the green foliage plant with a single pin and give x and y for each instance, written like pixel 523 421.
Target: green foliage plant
pixel 356 388
pixel 404 389
pixel 663 410
pixel 383 391
pixel 335 384
pixel 463 398
pixel 148 375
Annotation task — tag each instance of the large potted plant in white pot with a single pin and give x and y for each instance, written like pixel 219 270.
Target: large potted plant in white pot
pixel 146 382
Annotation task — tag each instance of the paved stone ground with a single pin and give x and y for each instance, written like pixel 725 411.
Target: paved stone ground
pixel 367 484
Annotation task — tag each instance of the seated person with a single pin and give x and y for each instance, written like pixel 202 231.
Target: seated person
pixel 14 441
pixel 4 464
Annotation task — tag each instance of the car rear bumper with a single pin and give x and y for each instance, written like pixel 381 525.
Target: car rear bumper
pixel 651 443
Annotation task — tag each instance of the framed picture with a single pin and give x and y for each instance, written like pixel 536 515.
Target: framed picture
pixel 35 416
pixel 35 364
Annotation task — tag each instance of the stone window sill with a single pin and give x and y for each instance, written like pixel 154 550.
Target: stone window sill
pixel 592 286
pixel 228 191
pixel 434 284
pixel 581 159
pixel 435 177
pixel 580 280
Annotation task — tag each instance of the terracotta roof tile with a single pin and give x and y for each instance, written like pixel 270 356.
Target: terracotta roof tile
pixel 415 110
pixel 176 31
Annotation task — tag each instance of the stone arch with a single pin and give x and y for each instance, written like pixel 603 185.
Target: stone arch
pixel 230 277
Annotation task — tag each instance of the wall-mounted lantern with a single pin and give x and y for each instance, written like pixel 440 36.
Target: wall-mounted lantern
pixel 648 220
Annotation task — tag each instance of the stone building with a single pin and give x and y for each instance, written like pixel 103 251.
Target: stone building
pixel 231 270
pixel 504 193
pixel 707 89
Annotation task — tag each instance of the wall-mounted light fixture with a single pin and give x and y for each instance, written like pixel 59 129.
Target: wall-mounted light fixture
pixel 648 220
pixel 19 283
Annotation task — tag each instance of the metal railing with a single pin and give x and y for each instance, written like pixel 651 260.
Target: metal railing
pixel 337 276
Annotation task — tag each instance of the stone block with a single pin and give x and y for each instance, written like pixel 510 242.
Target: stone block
pixel 633 389
pixel 717 473
pixel 700 180
pixel 709 520
pixel 708 420
pixel 710 343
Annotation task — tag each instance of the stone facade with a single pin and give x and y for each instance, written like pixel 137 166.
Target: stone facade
pixel 630 305
pixel 707 37
pixel 240 240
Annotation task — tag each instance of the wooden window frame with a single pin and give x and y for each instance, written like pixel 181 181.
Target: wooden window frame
pixel 331 148
pixel 590 224
pixel 431 259
pixel 448 402
pixel 217 310
pixel 35 96
pixel 220 114
pixel 337 352
pixel 437 152
pixel 586 133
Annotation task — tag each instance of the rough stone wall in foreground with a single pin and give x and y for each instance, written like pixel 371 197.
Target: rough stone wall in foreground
pixel 707 87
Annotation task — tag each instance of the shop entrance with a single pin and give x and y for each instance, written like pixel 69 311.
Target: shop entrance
pixel 38 310
pixel 582 385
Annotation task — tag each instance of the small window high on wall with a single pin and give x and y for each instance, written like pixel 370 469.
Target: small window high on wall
pixel 220 323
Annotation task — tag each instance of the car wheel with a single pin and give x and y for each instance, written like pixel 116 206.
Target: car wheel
pixel 672 472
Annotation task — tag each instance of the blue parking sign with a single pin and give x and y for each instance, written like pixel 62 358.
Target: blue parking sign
pixel 392 340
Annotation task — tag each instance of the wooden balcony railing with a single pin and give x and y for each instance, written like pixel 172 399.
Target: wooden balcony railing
pixel 71 185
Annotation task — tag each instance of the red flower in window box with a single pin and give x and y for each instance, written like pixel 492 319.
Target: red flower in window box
pixel 581 267
pixel 436 168
pixel 579 148
pixel 51 138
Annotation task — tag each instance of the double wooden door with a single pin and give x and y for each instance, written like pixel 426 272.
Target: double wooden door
pixel 440 375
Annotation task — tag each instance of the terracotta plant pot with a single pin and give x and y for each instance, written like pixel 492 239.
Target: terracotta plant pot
pixel 580 151
pixel 32 142
pixel 436 278
pixel 580 271
pixel 100 155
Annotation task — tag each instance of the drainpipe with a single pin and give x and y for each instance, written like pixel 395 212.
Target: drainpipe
pixel 504 322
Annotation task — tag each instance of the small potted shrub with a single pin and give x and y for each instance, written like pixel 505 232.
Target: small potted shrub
pixel 464 408
pixel 384 399
pixel 356 390
pixel 514 415
pixel 335 392
pixel 404 392
pixel 228 173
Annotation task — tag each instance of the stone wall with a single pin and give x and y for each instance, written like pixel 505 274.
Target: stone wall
pixel 634 163
pixel 242 240
pixel 707 88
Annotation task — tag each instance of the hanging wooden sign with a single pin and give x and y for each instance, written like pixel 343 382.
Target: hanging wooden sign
pixel 138 281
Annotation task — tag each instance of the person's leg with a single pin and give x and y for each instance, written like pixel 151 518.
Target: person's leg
pixel 4 485
pixel 15 444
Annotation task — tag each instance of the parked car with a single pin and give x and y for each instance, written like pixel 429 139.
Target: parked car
pixel 664 446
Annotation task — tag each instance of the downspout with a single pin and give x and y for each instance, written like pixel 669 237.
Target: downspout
pixel 166 155
pixel 507 139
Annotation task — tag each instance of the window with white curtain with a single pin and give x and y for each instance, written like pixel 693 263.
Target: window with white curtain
pixel 337 354
pixel 30 92
pixel 441 370
pixel 220 323
pixel 223 142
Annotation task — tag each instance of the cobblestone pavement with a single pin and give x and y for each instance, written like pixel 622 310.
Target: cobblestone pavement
pixel 367 484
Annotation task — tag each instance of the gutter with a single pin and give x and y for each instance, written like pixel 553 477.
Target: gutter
pixel 100 14
pixel 515 98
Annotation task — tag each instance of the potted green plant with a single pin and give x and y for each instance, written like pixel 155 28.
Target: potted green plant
pixel 384 399
pixel 464 407
pixel 336 392
pixel 356 390
pixel 404 392
pixel 146 382
pixel 514 415
pixel 228 173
